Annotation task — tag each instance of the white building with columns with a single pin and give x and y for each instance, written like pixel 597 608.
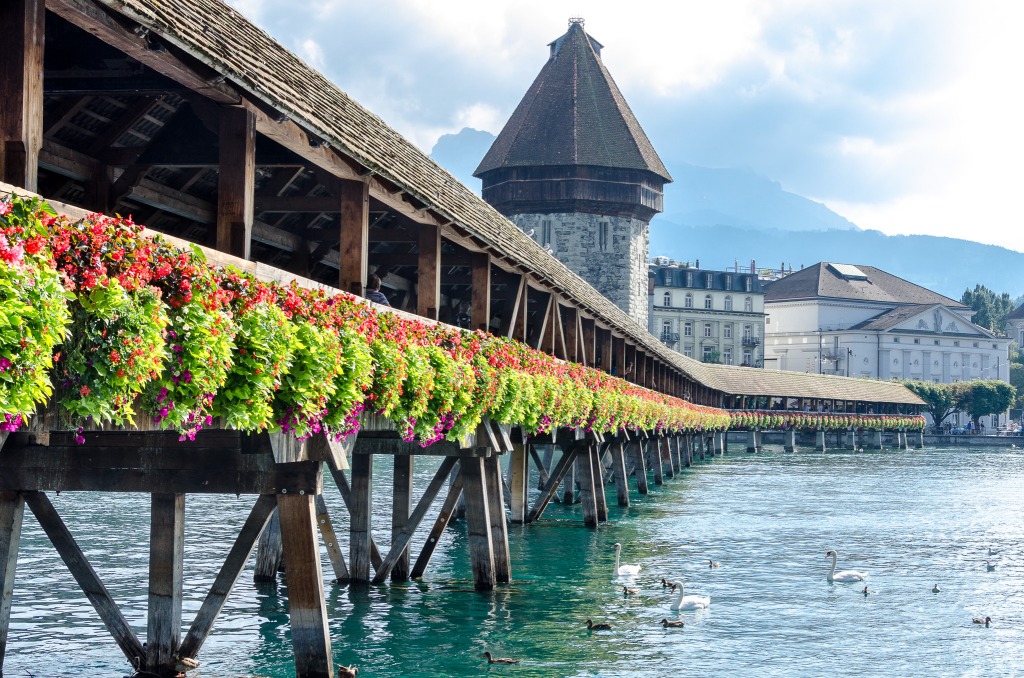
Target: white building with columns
pixel 859 321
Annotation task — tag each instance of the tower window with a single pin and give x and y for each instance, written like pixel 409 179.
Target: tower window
pixel 545 232
pixel 602 236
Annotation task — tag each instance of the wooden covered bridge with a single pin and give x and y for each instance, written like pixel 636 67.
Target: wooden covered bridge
pixel 193 120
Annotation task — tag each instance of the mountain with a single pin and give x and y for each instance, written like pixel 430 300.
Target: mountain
pixel 727 215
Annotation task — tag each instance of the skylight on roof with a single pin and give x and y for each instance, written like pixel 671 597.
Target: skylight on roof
pixel 849 271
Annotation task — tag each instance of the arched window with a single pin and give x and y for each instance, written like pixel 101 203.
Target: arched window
pixel 748 305
pixel 707 301
pixel 689 300
pixel 728 303
pixel 668 299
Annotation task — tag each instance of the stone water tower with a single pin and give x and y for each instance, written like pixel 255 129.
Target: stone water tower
pixel 573 166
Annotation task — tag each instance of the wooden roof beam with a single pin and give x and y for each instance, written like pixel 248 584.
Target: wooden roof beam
pixel 98 22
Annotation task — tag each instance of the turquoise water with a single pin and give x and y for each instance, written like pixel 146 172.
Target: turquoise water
pixel 910 518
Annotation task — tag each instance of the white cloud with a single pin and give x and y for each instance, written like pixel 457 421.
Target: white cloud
pixel 312 53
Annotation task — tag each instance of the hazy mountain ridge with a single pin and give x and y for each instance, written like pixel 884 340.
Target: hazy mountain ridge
pixel 723 215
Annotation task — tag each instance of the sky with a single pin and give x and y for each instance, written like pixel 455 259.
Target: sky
pixel 905 117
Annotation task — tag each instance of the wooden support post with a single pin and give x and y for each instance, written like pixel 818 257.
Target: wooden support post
pixel 428 277
pixel 597 471
pixel 440 523
pixel 480 292
pixel 330 539
pixel 876 439
pixel 235 562
pixel 569 483
pixel 819 440
pixel 270 554
pixel 543 465
pixel 21 91
pixel 236 187
pixel 346 495
pixel 307 609
pixel 790 445
pixel 354 239
pixel 636 451
pixel 619 473
pixel 496 515
pixel 585 478
pixel 85 575
pixel 166 560
pixel 688 450
pixel 519 466
pixel 919 439
pixel 478 524
pixel 752 441
pixel 653 449
pixel 400 510
pixel 725 441
pixel 360 508
pixel 903 439
pixel 12 512
pixel 665 454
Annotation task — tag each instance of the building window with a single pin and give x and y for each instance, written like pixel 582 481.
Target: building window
pixel 748 358
pixel 975 344
pixel 602 235
pixel 936 342
pixel 895 340
pixel 688 301
pixel 748 284
pixel 727 356
pixel 747 332
pixel 917 341
pixel 688 351
pixel 668 299
pixel 748 305
pixel 728 282
pixel 689 278
pixel 727 331
pixel 728 303
pixel 707 302
pixel 707 329
pixel 956 343
pixel 708 350
pixel 709 280
pixel 687 329
pixel 666 327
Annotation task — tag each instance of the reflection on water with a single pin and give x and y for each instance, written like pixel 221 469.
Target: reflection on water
pixel 911 519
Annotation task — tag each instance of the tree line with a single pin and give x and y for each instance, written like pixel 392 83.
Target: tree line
pixel 977 398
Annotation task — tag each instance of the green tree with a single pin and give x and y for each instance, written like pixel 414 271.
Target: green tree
pixel 1017 381
pixel 714 357
pixel 940 399
pixel 990 309
pixel 983 397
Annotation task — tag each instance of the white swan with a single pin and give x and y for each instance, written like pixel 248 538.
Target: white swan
pixel 688 602
pixel 845 575
pixel 623 570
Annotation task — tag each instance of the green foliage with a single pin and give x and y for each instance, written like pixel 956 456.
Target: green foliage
pixel 940 399
pixel 984 397
pixel 990 309
pixel 714 358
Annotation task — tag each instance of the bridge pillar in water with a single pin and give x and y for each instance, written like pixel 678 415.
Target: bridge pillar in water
pixel 724 437
pixel 665 456
pixel 585 477
pixel 619 472
pixel 688 450
pixel 653 452
pixel 569 485
pixel 754 441
pixel 636 453
pixel 597 464
pixel 876 440
pixel 902 433
pixel 478 523
pixel 519 466
pixel 919 439
pixel 790 445
pixel 819 440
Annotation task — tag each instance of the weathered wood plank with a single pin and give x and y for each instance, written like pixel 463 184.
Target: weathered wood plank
pixel 236 179
pixel 84 574
pixel 478 524
pixel 520 471
pixel 346 495
pixel 619 473
pixel 21 91
pixel 270 554
pixel 597 472
pixel 360 508
pixel 12 512
pixel 401 507
pixel 451 501
pixel 228 575
pixel 496 515
pixel 307 609
pixel 585 479
pixel 166 561
pixel 327 533
pixel 428 274
pixel 355 236
pixel 480 292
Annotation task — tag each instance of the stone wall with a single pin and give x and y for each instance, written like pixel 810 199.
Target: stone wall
pixel 610 253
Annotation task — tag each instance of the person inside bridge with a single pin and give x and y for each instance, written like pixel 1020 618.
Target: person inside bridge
pixel 373 292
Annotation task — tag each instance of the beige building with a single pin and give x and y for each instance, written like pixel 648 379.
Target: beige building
pixel 708 315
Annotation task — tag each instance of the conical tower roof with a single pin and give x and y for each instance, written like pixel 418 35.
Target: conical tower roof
pixel 573 114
